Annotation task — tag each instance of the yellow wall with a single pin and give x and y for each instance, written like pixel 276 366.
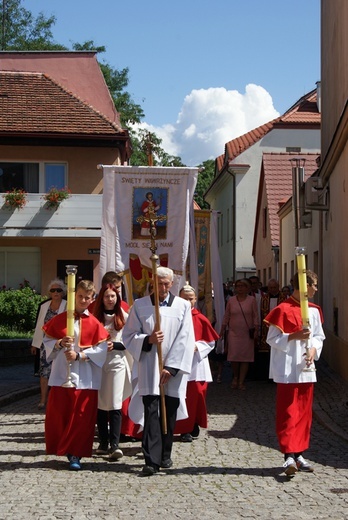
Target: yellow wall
pixel 82 173
pixel 53 249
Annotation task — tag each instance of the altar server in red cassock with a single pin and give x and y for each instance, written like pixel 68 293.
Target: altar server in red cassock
pixel 200 376
pixel 295 386
pixel 71 412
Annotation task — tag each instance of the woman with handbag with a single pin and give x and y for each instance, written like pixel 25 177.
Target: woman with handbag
pixel 242 320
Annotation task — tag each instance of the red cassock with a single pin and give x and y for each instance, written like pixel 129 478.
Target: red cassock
pixel 197 390
pixel 294 401
pixel 71 412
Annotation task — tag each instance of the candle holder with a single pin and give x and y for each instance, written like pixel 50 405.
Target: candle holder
pixel 302 282
pixel 71 271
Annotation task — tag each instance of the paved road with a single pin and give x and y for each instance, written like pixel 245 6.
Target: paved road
pixel 233 470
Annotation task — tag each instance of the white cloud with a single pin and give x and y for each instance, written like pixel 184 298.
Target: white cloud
pixel 209 118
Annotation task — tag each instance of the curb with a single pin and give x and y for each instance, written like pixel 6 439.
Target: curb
pixel 16 396
pixel 324 419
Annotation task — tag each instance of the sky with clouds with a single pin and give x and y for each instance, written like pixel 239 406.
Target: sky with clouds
pixel 208 118
pixel 204 72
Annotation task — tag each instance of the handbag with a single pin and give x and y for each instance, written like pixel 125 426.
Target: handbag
pixel 251 330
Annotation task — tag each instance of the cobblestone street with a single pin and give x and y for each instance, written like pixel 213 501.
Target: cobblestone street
pixel 233 470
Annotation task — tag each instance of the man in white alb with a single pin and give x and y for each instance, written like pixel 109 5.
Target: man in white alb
pixel 177 338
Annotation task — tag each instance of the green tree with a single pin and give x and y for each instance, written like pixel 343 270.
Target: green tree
pixel 205 178
pixel 20 30
pixel 146 143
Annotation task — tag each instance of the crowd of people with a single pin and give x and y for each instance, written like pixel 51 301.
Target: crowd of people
pixel 143 372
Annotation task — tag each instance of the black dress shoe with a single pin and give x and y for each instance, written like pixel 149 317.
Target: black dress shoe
pixel 148 471
pixel 167 463
pixel 186 437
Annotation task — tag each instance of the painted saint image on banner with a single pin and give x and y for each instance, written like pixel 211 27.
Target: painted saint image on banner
pixel 150 205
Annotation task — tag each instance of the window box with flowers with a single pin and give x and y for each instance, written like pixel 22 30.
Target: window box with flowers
pixel 15 199
pixel 55 196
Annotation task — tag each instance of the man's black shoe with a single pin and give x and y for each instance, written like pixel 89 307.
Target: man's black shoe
pixel 167 463
pixel 186 437
pixel 148 471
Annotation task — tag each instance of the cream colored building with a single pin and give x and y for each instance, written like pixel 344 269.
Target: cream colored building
pixel 334 174
pixel 57 123
pixel 327 250
pixel 234 189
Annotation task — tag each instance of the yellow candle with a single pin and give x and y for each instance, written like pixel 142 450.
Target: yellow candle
pixel 302 282
pixel 71 272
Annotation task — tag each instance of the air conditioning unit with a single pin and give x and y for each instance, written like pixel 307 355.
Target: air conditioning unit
pixel 316 196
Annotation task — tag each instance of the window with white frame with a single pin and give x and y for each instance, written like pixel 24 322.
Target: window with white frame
pixel 32 177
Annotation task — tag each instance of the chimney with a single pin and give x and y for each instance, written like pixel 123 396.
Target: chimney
pixel 318 84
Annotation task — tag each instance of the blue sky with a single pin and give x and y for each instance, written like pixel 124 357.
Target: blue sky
pixel 190 62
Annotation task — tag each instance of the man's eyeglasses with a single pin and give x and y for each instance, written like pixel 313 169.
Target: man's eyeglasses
pixel 56 290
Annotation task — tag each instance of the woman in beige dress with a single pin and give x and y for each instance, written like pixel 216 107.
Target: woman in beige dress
pixel 242 320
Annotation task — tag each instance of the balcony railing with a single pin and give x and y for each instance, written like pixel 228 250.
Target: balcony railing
pixel 78 216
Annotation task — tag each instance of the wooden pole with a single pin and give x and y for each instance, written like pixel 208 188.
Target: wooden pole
pixel 152 218
pixel 154 259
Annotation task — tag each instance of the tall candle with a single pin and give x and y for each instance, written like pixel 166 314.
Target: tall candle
pixel 302 282
pixel 71 272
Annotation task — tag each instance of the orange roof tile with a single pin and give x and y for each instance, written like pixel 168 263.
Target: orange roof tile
pixel 240 144
pixel 276 178
pixel 303 112
pixel 219 162
pixel 76 71
pixel 34 104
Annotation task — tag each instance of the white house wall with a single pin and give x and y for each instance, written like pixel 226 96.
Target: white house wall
pixel 276 141
pixel 307 237
pixel 225 224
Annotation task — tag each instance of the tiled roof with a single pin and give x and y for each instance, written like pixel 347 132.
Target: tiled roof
pixel 76 71
pixel 303 112
pixel 34 104
pixel 276 176
pixel 240 144
pixel 219 162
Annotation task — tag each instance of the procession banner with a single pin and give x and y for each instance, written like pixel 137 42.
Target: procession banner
pixel 204 288
pixel 210 289
pixel 128 194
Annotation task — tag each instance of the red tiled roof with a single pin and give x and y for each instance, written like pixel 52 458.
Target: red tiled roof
pixel 276 175
pixel 240 144
pixel 34 104
pixel 303 112
pixel 219 162
pixel 76 71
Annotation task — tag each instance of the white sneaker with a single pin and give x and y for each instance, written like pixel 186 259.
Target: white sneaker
pixel 290 467
pixel 303 465
pixel 115 453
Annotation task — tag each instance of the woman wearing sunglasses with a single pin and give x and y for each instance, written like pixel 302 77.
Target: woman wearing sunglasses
pixel 54 305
